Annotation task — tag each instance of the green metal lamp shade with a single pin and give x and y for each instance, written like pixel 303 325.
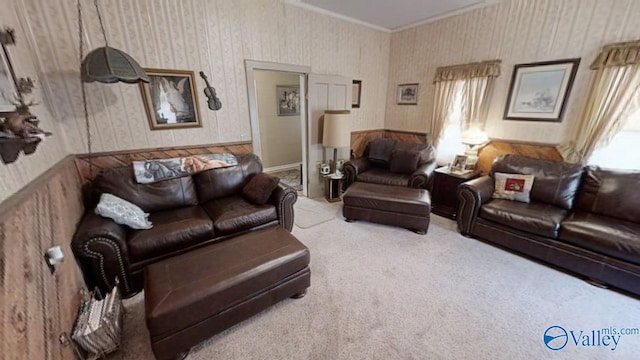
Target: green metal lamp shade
pixel 109 65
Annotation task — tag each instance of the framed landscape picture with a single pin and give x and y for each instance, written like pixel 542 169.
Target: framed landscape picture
pixel 407 94
pixel 355 94
pixel 288 100
pixel 539 91
pixel 171 99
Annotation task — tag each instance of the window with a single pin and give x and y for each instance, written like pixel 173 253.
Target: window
pixel 449 145
pixel 622 151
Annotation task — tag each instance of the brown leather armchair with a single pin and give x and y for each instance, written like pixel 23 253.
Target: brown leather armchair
pixel 186 213
pixel 584 220
pixel 390 162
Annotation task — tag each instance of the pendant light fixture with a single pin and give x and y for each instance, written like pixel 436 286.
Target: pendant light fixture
pixel 105 65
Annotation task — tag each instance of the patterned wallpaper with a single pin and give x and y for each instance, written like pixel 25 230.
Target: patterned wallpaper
pixel 517 31
pixel 14 176
pixel 213 36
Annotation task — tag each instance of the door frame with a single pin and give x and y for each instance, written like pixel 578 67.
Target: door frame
pixel 250 67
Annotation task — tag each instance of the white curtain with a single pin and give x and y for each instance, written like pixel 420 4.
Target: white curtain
pixel 613 87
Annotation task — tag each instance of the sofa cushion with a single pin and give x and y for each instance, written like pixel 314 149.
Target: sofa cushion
pixel 159 196
pixel 513 186
pixel 556 182
pixel 219 183
pixel 616 238
pixel 172 230
pixel 380 151
pixel 233 214
pixel 610 193
pixel 258 190
pixel 535 217
pixel 404 161
pixel 384 177
pixel 122 212
pixel 427 151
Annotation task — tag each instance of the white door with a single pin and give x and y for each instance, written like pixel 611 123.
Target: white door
pixel 326 92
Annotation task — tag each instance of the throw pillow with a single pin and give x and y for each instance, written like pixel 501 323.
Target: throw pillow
pixel 380 151
pixel 258 190
pixel 513 186
pixel 404 161
pixel 122 212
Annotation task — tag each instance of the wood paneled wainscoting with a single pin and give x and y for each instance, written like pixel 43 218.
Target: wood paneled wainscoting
pixel 497 147
pixel 109 160
pixel 35 305
pixel 360 139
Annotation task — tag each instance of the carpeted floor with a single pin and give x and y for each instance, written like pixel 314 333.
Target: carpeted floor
pixel 380 292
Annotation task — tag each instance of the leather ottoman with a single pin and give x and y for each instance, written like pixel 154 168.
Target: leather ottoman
pixel 386 204
pixel 193 296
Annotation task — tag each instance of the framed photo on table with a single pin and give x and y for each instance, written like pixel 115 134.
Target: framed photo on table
pixel 539 91
pixel 171 99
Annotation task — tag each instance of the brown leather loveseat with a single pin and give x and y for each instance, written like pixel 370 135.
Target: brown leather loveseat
pixel 391 162
pixel 585 220
pixel 186 213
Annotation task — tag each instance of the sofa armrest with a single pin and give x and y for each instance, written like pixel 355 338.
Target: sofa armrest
pixel 354 167
pixel 283 197
pixel 471 196
pixel 423 176
pixel 100 247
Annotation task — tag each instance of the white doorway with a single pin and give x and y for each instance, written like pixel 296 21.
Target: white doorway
pixel 325 92
pixel 277 106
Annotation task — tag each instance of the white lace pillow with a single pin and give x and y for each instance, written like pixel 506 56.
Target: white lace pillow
pixel 123 212
pixel 513 186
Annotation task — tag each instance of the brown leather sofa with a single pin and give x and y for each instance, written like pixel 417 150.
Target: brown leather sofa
pixel 390 162
pixel 186 213
pixel 584 220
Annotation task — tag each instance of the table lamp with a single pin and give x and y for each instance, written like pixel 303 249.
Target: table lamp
pixel 473 138
pixel 336 132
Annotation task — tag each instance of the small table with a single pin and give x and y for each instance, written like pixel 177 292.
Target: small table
pixel 444 197
pixel 333 187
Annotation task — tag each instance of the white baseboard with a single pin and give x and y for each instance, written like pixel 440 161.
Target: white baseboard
pixel 282 167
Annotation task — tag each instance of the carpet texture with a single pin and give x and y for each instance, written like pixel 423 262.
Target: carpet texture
pixel 312 212
pixel 380 292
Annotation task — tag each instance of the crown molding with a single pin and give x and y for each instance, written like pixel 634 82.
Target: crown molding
pixel 448 14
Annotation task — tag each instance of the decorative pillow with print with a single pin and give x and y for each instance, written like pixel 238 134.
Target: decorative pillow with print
pixel 123 212
pixel 513 186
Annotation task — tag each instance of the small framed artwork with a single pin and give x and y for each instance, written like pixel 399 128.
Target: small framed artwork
pixel 539 91
pixel 458 164
pixel 355 94
pixel 288 100
pixel 407 94
pixel 171 99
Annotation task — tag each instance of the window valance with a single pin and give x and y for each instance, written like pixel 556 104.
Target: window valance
pixel 618 54
pixel 468 71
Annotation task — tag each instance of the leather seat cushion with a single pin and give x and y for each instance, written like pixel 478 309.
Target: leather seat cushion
pixel 232 214
pixel 397 199
pixel 172 230
pixel 376 175
pixel 189 288
pixel 603 234
pixel 534 217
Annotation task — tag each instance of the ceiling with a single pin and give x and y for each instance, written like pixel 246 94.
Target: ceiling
pixel 392 14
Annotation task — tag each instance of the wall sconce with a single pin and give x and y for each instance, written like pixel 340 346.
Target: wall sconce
pixel 53 257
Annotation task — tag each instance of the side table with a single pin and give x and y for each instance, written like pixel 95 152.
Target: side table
pixel 333 187
pixel 444 198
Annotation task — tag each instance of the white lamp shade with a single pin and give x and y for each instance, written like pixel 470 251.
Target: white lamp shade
pixel 337 129
pixel 474 136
